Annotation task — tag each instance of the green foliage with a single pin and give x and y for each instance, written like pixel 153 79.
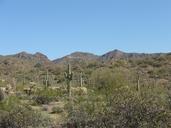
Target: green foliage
pixel 46 96
pixel 14 114
pixel 23 117
pixel 57 110
pixel 124 109
pixel 9 103
pixel 112 99
pixel 106 80
pixel 127 109
pixel 20 87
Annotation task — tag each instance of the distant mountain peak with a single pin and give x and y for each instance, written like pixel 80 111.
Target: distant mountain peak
pixel 23 52
pixel 40 55
pixel 81 54
pixel 115 54
pixel 117 51
pixel 28 56
pixel 23 55
pixel 76 56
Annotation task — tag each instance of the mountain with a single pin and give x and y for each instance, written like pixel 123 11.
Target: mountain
pixel 117 55
pixel 23 55
pixel 114 55
pixel 41 56
pixel 24 62
pixel 76 57
pixel 27 56
pixel 33 64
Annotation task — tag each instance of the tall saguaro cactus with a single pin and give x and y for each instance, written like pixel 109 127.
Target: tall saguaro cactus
pixel 68 76
pixel 139 74
pixel 138 82
pixel 81 79
pixel 24 79
pixel 47 78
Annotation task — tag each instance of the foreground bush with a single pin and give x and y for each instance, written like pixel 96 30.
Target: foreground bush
pixel 9 103
pixel 22 117
pixel 15 115
pixel 126 109
pixel 57 110
pixel 45 96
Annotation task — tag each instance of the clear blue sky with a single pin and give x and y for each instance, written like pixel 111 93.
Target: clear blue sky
pixel 59 27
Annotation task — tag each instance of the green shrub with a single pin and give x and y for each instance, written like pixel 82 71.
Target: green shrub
pixel 57 110
pixel 43 99
pixel 9 103
pixel 126 109
pixel 23 117
pixel 106 80
pixel 14 114
pixel 45 96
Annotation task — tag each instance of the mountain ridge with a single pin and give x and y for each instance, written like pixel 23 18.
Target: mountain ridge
pixel 38 63
pixel 111 55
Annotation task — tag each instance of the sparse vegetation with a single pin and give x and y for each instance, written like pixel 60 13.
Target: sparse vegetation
pixel 115 90
pixel 57 110
pixel 45 96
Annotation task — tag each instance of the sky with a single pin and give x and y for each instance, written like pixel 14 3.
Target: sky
pixel 60 27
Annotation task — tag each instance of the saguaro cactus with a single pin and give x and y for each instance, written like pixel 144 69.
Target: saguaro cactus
pixel 68 76
pixel 2 95
pixel 139 74
pixel 47 78
pixel 138 82
pixel 24 79
pixel 81 79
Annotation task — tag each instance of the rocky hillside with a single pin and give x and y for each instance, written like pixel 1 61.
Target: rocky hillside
pixel 117 54
pixel 33 64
